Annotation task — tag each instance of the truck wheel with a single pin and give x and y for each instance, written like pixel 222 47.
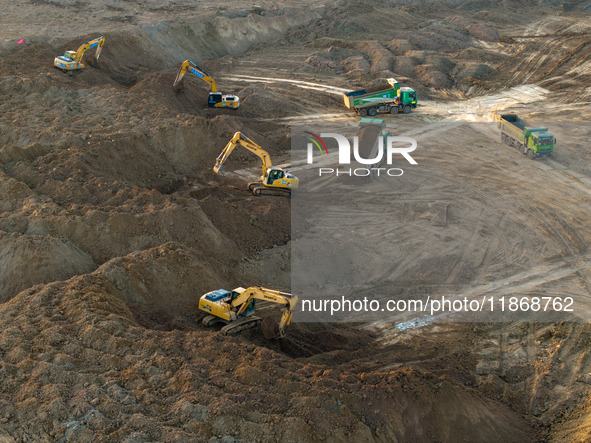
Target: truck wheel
pixel 394 110
pixel 363 112
pixel 530 154
pixel 372 111
pixel 406 109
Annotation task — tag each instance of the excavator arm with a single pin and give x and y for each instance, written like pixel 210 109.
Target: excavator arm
pixel 288 301
pixel 242 140
pixel 96 43
pixel 189 66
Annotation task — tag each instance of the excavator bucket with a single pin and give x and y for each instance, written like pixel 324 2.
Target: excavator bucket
pixel 270 328
pixel 219 169
pixel 178 87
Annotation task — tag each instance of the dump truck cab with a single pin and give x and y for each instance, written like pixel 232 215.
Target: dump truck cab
pixel 540 141
pixel 408 96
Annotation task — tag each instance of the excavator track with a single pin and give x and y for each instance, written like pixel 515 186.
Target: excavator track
pixel 211 320
pixel 240 325
pixel 259 189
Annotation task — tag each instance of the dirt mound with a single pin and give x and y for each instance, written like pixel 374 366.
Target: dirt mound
pixel 12 153
pixel 171 277
pixel 477 71
pixel 28 260
pixel 255 225
pixel 558 60
pixel 472 53
pixel 440 37
pixel 13 193
pixel 430 76
pixel 575 425
pixel 322 64
pixel 477 30
pixel 268 102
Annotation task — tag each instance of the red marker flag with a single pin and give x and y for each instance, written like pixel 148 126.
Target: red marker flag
pixel 21 41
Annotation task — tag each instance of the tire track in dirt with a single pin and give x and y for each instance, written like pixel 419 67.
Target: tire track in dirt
pixel 554 52
pixel 564 232
pixel 299 83
pixel 460 263
pixel 495 237
pixel 532 278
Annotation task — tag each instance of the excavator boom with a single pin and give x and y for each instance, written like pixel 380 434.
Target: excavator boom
pixel 245 142
pixel 189 66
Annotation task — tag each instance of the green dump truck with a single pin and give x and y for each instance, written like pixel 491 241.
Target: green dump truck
pixel 390 98
pixel 533 142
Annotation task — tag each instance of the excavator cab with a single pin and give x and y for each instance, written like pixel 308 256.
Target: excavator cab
pixel 278 178
pixel 213 99
pixel 272 175
pixel 69 55
pixel 249 309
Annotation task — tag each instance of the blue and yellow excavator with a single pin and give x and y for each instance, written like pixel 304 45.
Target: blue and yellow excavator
pixel 72 60
pixel 215 99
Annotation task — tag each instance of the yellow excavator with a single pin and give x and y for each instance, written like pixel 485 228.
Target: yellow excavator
pixel 215 99
pixel 72 60
pixel 236 309
pixel 274 181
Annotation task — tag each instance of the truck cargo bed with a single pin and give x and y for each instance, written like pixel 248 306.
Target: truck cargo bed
pixel 512 118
